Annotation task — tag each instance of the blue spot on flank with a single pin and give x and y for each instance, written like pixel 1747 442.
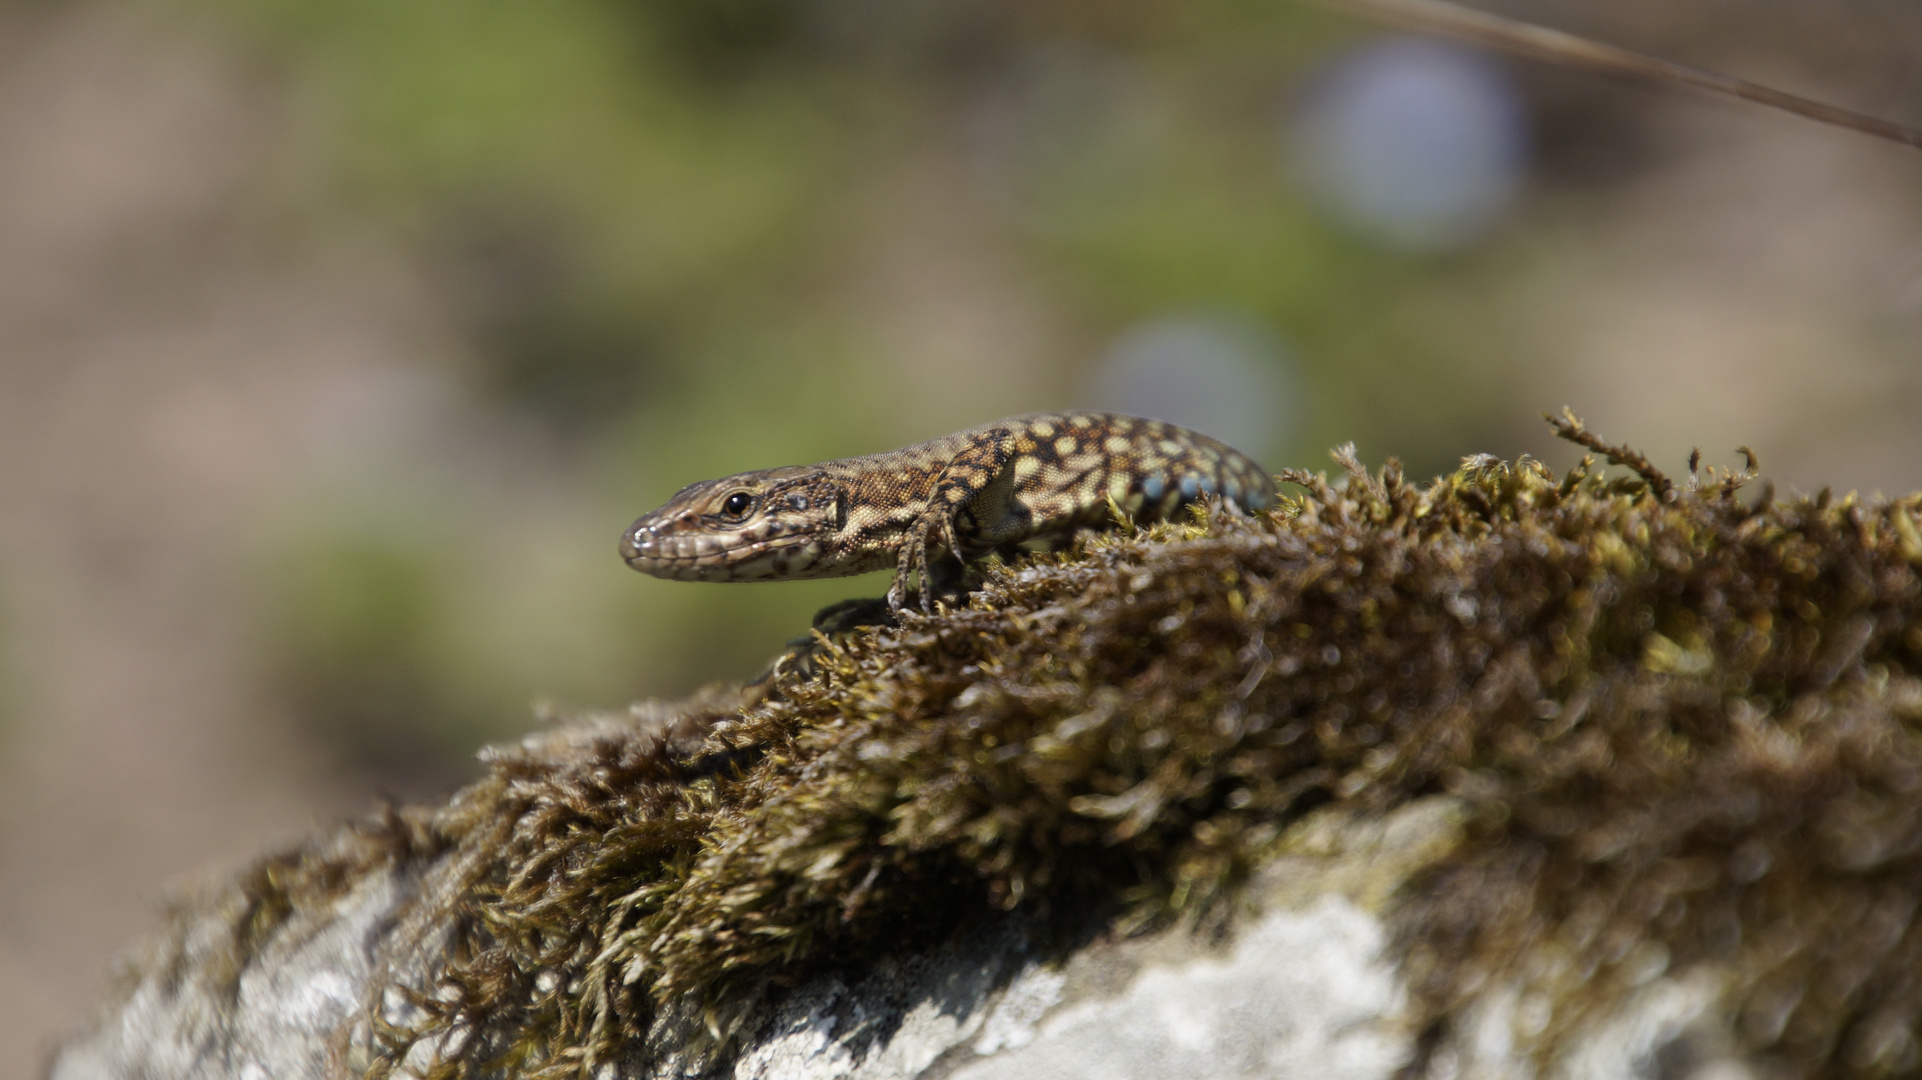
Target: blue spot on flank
pixel 1190 487
pixel 1152 487
pixel 1232 489
pixel 1208 485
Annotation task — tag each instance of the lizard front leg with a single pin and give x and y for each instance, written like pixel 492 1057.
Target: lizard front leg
pixel 913 560
pixel 929 531
pixel 969 473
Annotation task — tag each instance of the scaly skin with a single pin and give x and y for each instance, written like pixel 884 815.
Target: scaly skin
pixel 1027 482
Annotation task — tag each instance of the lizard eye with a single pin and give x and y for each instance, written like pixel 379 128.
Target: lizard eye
pixel 737 504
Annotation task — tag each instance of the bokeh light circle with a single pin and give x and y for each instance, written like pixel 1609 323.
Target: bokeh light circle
pixel 1219 373
pixel 1415 145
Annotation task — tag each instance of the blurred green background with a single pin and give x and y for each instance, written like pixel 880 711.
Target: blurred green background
pixel 681 239
pixel 339 341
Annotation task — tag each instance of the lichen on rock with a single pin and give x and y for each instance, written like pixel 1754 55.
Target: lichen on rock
pixel 1676 725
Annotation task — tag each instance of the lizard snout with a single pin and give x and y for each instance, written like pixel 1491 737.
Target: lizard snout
pixel 661 545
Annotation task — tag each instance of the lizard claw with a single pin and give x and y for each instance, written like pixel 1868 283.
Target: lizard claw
pixel 914 558
pixel 924 571
pixel 913 562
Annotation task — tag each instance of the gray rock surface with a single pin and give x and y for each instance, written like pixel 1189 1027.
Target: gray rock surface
pixel 196 1003
pixel 1299 984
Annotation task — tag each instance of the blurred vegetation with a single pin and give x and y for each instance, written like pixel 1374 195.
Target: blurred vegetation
pixel 9 671
pixel 656 224
pixel 369 620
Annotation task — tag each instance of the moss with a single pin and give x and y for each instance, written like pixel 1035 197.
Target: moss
pixel 1682 721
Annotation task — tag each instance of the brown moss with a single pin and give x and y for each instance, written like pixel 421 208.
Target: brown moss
pixel 1685 726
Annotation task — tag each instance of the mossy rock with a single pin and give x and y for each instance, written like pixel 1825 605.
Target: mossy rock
pixel 1674 725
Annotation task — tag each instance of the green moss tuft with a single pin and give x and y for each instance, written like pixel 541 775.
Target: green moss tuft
pixel 1683 724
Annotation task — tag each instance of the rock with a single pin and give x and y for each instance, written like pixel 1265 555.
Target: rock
pixel 1504 776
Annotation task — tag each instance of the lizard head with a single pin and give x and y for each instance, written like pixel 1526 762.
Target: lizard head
pixel 753 527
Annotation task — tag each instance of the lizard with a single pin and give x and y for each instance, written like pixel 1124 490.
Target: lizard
pixel 1024 483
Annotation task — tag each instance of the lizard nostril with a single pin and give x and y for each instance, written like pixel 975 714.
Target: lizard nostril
pixel 637 542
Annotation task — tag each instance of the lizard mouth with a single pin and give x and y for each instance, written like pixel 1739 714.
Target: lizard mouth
pixel 711 557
